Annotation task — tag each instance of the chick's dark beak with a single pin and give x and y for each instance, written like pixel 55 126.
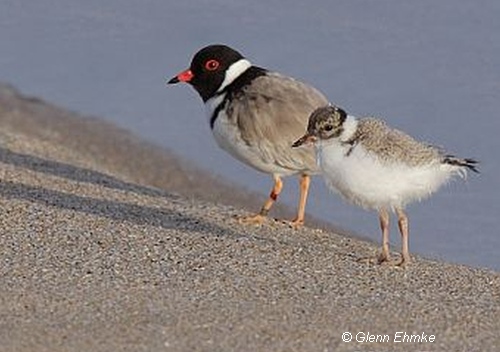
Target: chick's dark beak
pixel 307 139
pixel 184 76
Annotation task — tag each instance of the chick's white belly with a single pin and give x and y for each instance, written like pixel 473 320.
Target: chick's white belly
pixel 371 183
pixel 228 137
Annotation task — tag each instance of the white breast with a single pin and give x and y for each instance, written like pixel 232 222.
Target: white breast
pixel 365 180
pixel 228 137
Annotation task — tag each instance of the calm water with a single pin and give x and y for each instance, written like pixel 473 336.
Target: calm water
pixel 430 68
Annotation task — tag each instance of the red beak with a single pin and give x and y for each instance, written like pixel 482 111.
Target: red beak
pixel 184 76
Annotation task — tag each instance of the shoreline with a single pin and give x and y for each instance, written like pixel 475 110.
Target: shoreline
pixel 95 257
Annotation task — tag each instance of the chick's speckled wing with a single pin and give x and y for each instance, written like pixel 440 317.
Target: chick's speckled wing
pixel 392 145
pixel 272 113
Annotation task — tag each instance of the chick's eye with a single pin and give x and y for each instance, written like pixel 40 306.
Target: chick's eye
pixel 328 128
pixel 212 65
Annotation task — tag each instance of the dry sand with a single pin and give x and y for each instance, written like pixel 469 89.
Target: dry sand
pixel 94 258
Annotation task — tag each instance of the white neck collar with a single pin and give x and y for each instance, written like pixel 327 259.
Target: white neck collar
pixel 350 127
pixel 233 72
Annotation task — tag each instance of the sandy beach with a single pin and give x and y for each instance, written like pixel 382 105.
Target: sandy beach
pixel 112 244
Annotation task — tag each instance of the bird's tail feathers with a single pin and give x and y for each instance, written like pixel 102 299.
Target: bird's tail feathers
pixel 470 164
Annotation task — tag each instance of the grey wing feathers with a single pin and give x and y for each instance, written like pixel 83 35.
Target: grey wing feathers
pixel 392 144
pixel 274 112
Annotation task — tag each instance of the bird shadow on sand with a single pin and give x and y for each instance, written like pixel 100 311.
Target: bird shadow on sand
pixel 74 173
pixel 119 211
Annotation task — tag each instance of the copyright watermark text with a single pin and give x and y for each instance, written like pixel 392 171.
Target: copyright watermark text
pixel 397 337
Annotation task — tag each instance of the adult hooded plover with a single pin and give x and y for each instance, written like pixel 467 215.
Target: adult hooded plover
pixel 254 115
pixel 377 167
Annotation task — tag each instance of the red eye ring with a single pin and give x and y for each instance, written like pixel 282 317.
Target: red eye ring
pixel 212 65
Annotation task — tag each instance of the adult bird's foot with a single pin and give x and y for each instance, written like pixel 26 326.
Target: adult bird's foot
pixel 257 219
pixel 294 224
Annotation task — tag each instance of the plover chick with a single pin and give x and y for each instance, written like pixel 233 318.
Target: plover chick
pixel 377 167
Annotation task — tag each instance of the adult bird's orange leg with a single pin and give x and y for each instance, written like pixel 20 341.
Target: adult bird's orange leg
pixel 305 181
pixel 273 196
